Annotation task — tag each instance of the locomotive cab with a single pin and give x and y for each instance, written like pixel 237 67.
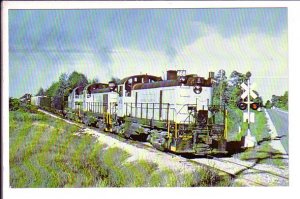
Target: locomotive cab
pixel 89 95
pixel 76 98
pixel 125 89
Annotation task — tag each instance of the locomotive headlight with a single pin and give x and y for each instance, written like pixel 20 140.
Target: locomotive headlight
pixel 197 89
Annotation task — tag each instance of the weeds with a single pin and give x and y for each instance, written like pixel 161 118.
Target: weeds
pixel 44 152
pixel 258 129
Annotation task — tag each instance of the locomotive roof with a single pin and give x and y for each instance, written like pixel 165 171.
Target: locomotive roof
pixel 191 79
pixel 102 90
pixel 152 77
pixel 165 83
pixel 78 90
pixel 95 87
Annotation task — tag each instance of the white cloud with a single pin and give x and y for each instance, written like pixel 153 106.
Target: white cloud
pixel 266 56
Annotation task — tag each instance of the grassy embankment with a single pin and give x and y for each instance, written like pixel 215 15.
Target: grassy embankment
pixel 44 152
pixel 263 153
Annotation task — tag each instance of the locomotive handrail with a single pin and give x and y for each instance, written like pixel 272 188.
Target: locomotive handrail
pixel 149 106
pixel 183 105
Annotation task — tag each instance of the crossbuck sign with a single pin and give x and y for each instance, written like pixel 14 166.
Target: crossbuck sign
pixel 248 90
pixel 248 116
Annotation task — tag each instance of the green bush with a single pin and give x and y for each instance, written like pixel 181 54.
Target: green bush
pixel 89 118
pixel 72 114
pixel 14 104
pixel 29 108
pixel 235 119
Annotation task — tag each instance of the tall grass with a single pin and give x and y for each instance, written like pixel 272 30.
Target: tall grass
pixel 44 152
pixel 259 128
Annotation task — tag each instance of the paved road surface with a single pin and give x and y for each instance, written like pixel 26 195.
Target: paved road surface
pixel 280 120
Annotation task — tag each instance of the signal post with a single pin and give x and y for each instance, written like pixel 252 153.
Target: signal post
pixel 250 141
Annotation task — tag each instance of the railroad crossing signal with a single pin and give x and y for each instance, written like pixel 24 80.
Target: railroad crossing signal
pixel 250 141
pixel 247 90
pixel 254 106
pixel 243 104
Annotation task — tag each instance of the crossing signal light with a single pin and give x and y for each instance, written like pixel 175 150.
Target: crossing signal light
pixel 254 106
pixel 242 105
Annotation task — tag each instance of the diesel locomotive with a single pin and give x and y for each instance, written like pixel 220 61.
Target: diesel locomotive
pixel 175 114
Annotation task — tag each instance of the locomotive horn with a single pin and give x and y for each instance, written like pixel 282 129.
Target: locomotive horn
pixel 182 77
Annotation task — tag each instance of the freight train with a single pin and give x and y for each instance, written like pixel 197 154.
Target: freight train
pixel 175 114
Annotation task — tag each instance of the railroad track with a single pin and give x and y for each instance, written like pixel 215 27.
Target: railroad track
pixel 242 173
pixel 245 172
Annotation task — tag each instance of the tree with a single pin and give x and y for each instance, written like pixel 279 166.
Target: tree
pixel 41 92
pixel 77 79
pixel 14 104
pixel 219 86
pixel 58 99
pixel 285 100
pixel 236 78
pixel 229 90
pixel 220 76
pixel 280 101
pixel 52 90
pixel 115 79
pixel 94 80
pixel 268 104
pixel 58 90
pixel 275 100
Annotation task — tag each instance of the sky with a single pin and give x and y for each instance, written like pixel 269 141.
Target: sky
pixel 105 43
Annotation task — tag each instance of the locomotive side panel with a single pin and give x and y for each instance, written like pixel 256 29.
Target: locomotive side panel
pixel 167 103
pixel 75 99
pixel 146 104
pixel 101 102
